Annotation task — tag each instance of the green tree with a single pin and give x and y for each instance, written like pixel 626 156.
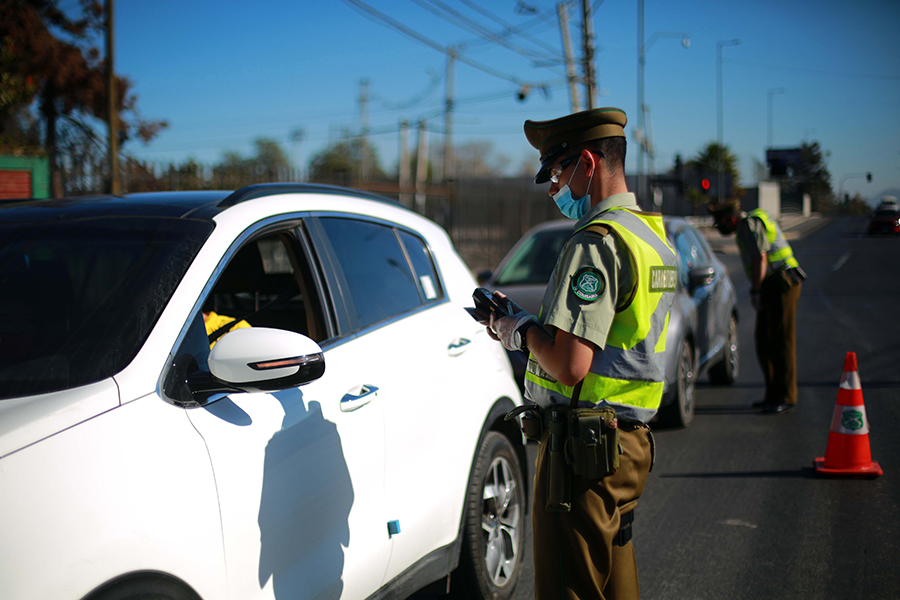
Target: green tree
pixel 706 161
pixel 339 163
pixel 478 159
pixel 51 60
pixel 268 163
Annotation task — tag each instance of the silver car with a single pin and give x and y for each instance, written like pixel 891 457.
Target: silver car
pixel 703 333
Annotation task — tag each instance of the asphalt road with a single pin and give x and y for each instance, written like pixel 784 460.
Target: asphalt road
pixel 733 508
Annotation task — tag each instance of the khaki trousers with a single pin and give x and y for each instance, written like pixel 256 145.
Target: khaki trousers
pixel 775 338
pixel 574 558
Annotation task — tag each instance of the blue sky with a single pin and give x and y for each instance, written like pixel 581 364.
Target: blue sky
pixel 223 73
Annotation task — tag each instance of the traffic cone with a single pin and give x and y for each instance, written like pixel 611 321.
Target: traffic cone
pixel 848 453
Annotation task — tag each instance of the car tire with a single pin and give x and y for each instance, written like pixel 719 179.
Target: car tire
pixel 725 372
pixel 494 530
pixel 680 412
pixel 146 587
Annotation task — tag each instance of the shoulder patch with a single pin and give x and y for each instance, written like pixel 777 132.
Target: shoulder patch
pixel 588 284
pixel 663 279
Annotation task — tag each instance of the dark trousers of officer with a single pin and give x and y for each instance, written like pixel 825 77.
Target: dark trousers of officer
pixel 776 337
pixel 574 554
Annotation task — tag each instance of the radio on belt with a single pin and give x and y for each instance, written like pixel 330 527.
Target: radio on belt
pixel 485 304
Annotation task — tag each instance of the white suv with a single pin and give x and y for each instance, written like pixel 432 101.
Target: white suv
pixel 349 443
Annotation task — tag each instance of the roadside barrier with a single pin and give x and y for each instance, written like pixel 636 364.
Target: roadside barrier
pixel 848 453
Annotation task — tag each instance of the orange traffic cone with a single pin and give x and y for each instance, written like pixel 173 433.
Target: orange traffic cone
pixel 848 453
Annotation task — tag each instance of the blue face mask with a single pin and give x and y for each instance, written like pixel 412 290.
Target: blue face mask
pixel 573 209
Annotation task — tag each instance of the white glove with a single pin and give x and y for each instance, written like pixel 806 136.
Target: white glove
pixel 508 328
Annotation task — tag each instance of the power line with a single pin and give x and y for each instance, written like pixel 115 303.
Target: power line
pixel 373 13
pixel 465 22
pixel 510 29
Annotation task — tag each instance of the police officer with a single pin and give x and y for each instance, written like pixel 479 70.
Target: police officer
pixel 775 283
pixel 598 344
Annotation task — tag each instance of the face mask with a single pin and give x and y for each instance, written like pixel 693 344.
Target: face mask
pixel 573 209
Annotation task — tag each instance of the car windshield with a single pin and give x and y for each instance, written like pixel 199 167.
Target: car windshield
pixel 80 296
pixel 887 213
pixel 535 259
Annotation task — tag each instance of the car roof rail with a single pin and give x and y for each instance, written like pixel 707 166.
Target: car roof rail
pixel 261 190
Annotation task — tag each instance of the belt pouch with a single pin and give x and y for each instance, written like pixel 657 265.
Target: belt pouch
pixel 593 442
pixel 532 426
pixel 557 470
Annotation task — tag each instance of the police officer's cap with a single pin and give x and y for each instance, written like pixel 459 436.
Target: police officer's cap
pixel 726 207
pixel 556 138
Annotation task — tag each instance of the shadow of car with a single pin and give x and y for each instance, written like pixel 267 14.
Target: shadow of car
pixel 703 333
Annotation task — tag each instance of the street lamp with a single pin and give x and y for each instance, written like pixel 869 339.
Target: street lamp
pixel 770 93
pixel 867 175
pixel 643 47
pixel 719 137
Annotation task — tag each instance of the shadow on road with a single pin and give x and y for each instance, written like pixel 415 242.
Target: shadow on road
pixel 804 473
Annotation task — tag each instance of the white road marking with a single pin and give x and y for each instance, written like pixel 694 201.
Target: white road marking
pixel 841 261
pixel 738 523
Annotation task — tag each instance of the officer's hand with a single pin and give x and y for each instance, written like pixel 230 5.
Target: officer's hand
pixel 507 329
pixel 511 307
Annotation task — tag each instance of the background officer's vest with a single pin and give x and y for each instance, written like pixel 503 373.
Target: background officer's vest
pixel 628 374
pixel 780 255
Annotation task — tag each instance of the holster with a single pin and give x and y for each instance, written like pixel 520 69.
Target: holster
pixel 558 474
pixel 593 443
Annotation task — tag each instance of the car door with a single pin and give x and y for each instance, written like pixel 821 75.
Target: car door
pixel 396 302
pixel 298 472
pixel 694 262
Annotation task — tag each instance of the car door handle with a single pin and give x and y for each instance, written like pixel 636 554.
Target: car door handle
pixel 458 346
pixel 357 397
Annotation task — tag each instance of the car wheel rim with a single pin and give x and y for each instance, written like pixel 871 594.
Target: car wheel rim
pixel 500 521
pixel 687 380
pixel 733 348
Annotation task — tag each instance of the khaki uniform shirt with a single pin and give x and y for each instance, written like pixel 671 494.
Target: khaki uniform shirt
pixel 751 239
pixel 561 307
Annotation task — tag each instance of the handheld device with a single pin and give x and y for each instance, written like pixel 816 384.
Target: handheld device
pixel 485 304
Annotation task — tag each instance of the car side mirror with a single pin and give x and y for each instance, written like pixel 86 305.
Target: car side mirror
pixel 253 359
pixel 699 276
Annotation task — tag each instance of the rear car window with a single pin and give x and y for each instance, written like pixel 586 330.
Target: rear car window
pixel 379 282
pixel 534 261
pixel 81 295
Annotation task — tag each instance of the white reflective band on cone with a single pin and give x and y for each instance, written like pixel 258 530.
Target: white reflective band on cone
pixel 850 380
pixel 850 420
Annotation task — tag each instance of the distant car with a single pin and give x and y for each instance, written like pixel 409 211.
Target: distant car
pixel 349 444
pixel 703 333
pixel 889 202
pixel 885 220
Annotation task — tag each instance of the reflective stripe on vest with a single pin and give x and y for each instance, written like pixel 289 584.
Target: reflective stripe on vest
pixel 629 373
pixel 780 255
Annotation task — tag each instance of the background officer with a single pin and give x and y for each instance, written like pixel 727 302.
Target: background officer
pixel 775 283
pixel 598 344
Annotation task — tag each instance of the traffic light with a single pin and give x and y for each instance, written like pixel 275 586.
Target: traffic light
pixel 869 177
pixel 705 185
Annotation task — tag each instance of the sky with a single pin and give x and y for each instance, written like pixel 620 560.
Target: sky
pixel 224 73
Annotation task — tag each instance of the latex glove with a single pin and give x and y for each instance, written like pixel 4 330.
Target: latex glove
pixel 506 329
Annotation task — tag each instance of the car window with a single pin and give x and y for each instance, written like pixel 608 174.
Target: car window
pixel 699 250
pixel 535 259
pixel 684 248
pixel 376 279
pixel 81 296
pixel 423 266
pixel 264 284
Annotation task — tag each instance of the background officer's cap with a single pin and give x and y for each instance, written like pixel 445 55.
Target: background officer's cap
pixel 725 208
pixel 554 139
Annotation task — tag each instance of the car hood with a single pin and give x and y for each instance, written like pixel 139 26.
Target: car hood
pixel 24 421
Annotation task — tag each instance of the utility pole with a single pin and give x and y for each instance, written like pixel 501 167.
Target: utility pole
pixel 587 34
pixel 421 168
pixel 448 116
pixel 115 184
pixel 363 130
pixel 405 182
pixel 639 132
pixel 562 9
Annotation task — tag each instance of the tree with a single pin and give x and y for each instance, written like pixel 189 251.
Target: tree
pixel 339 163
pixel 51 60
pixel 477 159
pixel 269 163
pixel 707 162
pixel 811 176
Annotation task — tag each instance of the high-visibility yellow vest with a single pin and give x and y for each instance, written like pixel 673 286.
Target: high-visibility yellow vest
pixel 629 373
pixel 780 255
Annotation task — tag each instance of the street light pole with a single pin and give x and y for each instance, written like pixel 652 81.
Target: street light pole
pixel 720 135
pixel 641 131
pixel 770 93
